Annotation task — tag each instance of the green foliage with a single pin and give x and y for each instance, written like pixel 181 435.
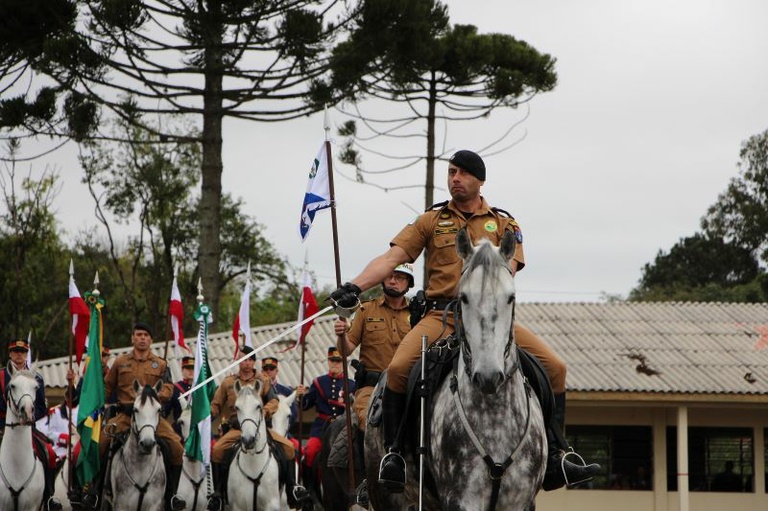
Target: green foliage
pixel 723 262
pixel 740 214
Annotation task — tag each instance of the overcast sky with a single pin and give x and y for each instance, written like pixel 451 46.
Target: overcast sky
pixel 621 160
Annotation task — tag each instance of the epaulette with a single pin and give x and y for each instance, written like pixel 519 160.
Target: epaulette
pixel 502 212
pixel 439 205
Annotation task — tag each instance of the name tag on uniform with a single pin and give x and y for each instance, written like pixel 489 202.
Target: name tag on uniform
pixel 374 320
pixel 446 230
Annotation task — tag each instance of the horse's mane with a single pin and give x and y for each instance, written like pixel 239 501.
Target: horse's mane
pixel 25 372
pixel 148 392
pixel 484 257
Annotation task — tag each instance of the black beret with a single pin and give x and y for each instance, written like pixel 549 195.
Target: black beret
pixel 140 325
pixel 469 161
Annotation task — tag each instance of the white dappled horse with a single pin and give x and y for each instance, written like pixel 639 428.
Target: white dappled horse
pixel 23 480
pixel 488 444
pixel 137 471
pixel 254 480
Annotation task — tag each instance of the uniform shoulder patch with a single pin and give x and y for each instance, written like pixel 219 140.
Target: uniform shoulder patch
pixel 439 205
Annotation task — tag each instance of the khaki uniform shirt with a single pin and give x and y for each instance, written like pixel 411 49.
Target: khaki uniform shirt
pixel 378 329
pixel 435 231
pixel 224 399
pixel 127 368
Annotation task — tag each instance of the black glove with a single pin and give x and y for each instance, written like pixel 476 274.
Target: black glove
pixel 346 295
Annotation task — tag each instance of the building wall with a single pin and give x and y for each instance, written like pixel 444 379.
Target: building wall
pixel 659 417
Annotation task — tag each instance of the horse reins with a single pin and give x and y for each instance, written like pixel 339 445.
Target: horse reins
pixel 142 489
pixel 495 470
pixel 195 484
pixel 256 481
pixel 16 407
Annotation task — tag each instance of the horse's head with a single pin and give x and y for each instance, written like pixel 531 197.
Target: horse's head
pixel 250 414
pixel 20 395
pixel 185 419
pixel 281 420
pixel 146 414
pixel 486 304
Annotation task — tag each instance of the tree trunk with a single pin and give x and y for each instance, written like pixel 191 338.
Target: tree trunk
pixel 429 186
pixel 209 252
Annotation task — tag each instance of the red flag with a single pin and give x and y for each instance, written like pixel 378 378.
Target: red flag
pixel 81 318
pixel 307 308
pixel 176 312
pixel 243 319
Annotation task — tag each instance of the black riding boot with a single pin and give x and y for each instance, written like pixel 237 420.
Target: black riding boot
pixel 392 467
pixel 560 471
pixel 296 493
pixel 51 502
pixel 174 502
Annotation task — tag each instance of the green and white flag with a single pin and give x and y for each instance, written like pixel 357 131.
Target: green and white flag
pixel 198 445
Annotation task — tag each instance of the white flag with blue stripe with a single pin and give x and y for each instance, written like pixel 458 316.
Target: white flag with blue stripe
pixel 318 194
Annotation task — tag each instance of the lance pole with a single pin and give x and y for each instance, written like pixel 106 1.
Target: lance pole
pixel 70 389
pixel 351 483
pixel 303 342
pixel 256 351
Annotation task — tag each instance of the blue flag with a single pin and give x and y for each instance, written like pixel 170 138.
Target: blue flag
pixel 318 195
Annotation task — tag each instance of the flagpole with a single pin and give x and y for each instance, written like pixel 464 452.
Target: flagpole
pixel 70 388
pixel 299 433
pixel 168 328
pixel 351 483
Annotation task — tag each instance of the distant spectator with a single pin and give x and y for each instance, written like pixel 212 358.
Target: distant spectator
pixel 727 480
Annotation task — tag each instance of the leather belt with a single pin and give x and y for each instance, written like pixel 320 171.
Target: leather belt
pixel 439 304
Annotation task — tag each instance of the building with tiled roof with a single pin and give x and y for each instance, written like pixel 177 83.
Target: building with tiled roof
pixel 635 371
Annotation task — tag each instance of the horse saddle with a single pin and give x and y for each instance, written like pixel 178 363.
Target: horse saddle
pixel 439 364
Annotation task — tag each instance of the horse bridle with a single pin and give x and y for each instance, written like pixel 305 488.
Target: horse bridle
pixel 137 431
pixel 15 493
pixel 466 350
pixel 256 481
pixel 16 407
pixel 258 425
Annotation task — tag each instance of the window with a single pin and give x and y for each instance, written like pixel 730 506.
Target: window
pixel 719 459
pixel 624 452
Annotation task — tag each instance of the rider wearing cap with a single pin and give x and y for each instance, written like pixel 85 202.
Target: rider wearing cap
pixel 18 350
pixel 146 367
pixel 435 233
pixel 223 405
pixel 172 408
pixel 378 327
pixel 326 395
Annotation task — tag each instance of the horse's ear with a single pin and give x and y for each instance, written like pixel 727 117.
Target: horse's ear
pixel 237 386
pixel 257 387
pixel 291 398
pixel 136 386
pixel 11 370
pixel 158 386
pixel 507 245
pixel 463 244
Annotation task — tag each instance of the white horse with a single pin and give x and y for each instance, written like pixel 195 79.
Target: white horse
pixel 138 474
pixel 195 477
pixel 488 444
pixel 254 481
pixel 281 419
pixel 23 480
pixel 61 485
